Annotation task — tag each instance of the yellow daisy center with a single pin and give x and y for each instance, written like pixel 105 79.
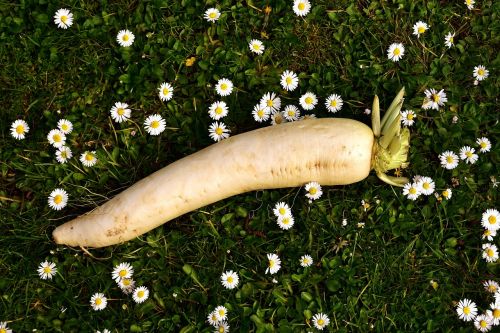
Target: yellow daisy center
pixel 218 131
pixel 155 124
pixel 125 37
pixel 64 18
pixel 301 6
pixel 333 103
pixel 288 80
pixel 308 100
pixel 270 102
pixel 492 219
pixel 496 313
pixel 256 46
pixel 291 113
pixel 89 157
pixel 223 86
pixel 410 116
pixel 483 144
pixel 140 293
pixel 212 15
pixel 445 193
pixel 480 72
pixel 271 263
pixel 64 127
pixel 165 91
pixel 122 273
pixel 222 312
pixel 451 40
pixel 466 310
pixel 492 288
pixel 120 111
pixel 321 322
pixel 449 159
pixel 260 113
pixel 282 211
pixel 58 199
pixel 218 110
pixel 221 329
pixel 421 29
pixel 468 154
pixel 426 186
pixel 47 270
pixel 412 190
pixel 490 252
pixel 20 129
pixel 286 220
pixel 230 279
pixel 126 282
pixel 313 190
pixel 468 1
pixel 435 98
pixel 396 51
pixel 56 138
pixel 483 323
pixel 3 330
pixel 64 154
pixel 98 301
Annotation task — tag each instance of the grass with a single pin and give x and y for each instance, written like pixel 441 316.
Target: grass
pixel 375 278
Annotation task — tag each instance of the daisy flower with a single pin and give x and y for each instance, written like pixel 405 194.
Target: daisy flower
pixel 221 327
pixel 260 113
pixel 491 286
pixel 19 128
pixel 126 285
pixel 306 260
pixel 88 158
pixel 125 38
pixel 63 18
pixel 289 80
pixel 63 154
pixel 105 331
pixel 278 118
pixel 449 39
pixel 271 101
pixel 58 199
pixel 47 270
pixel 230 279
pixel 491 219
pixel 408 117
pixel 308 101
pixel 212 318
pixel 411 190
pixel 65 126
pixel 426 185
pixel 494 313
pixel 434 99
pixel 256 46
pixel 480 73
pixel 488 234
pixel 224 87
pixel 56 138
pixel 212 14
pixel 281 209
pixel 467 154
pixel 120 112
pixel 313 190
pixel 490 252
pixel 419 28
pixel 218 110
pixel 154 124
pixel 301 7
pixel 274 264
pixel 466 310
pixel 447 194
pixel 221 313
pixel 395 51
pixel 218 131
pixel 166 91
pixel 140 294
pixel 484 144
pixel 291 113
pixel 285 222
pixel 470 3
pixel 334 103
pixel 482 323
pixel 98 301
pixel 4 328
pixel 320 321
pixel 122 271
pixel 449 160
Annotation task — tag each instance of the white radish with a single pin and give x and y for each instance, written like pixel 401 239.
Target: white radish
pixel 330 151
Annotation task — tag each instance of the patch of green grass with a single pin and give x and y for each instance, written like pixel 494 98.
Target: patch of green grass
pixel 375 278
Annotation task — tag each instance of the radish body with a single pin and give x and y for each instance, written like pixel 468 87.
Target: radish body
pixel 330 151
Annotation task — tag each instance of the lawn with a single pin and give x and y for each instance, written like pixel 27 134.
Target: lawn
pixel 381 260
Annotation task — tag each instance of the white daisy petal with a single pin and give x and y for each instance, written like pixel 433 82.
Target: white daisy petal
pixel 212 14
pixel 289 80
pixel 155 124
pixel 88 158
pixel 395 51
pixel 301 7
pixel 320 321
pixel 125 38
pixel 65 126
pixel 230 279
pixel 218 110
pixel 56 138
pixel 120 112
pixel 308 101
pixel 63 18
pixel 224 87
pixel 140 294
pixel 274 263
pixel 218 131
pixel 98 301
pixel 166 91
pixel 256 46
pixel 18 129
pixel 47 270
pixel 58 199
pixel 334 103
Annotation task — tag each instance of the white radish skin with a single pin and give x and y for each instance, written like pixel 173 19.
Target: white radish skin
pixel 330 151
